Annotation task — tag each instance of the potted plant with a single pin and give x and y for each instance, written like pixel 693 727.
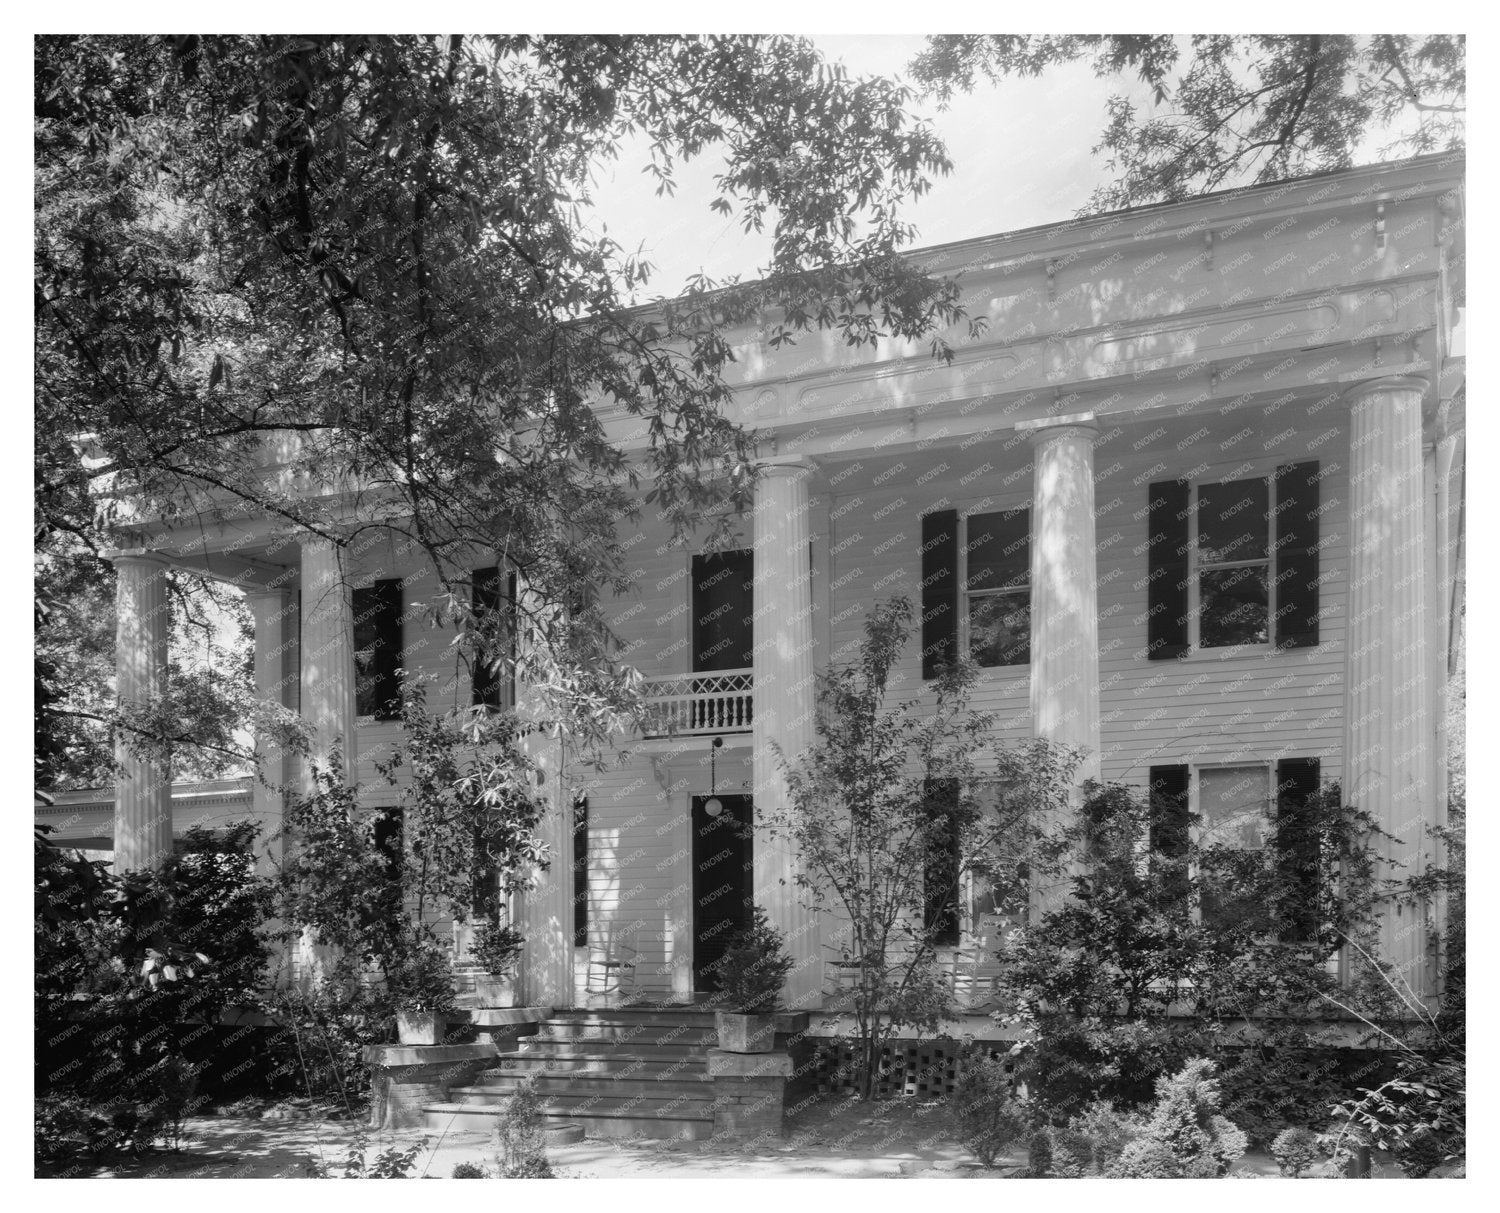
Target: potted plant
pixel 753 970
pixel 421 986
pixel 498 950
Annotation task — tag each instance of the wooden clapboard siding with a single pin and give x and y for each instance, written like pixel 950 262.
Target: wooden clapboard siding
pixel 1216 707
pixel 1253 706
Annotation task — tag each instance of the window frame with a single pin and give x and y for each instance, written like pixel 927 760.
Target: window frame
pixel 965 595
pixel 395 608
pixel 1022 916
pixel 488 689
pixel 1198 828
pixel 1197 567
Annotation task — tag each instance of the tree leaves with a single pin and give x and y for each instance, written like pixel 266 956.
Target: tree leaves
pixel 1245 109
pixel 373 244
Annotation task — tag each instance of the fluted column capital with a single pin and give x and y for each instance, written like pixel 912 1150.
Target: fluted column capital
pixel 1043 430
pixel 1365 388
pixel 136 558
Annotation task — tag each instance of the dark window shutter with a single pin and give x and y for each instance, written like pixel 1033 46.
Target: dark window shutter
pixel 1167 568
pixel 487 599
pixel 939 590
pixel 377 643
pixel 1297 845
pixel 390 826
pixel 940 872
pixel 1296 569
pixel 580 871
pixel 1170 826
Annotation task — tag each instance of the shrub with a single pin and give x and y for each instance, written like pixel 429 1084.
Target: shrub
pixel 1184 1136
pixel 470 1170
pixel 1285 1082
pixel 989 1118
pixel 754 968
pixel 170 1086
pixel 390 1163
pixel 1295 1150
pixel 1089 1144
pixel 421 979
pixel 319 1050
pixel 497 948
pixel 523 1145
pixel 1420 1114
pixel 1072 1064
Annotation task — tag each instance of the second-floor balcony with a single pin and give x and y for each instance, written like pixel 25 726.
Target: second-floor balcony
pixel 709 702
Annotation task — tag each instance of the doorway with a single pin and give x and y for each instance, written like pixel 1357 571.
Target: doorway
pixel 722 881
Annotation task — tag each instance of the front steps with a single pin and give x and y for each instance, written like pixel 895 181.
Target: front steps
pixel 619 1072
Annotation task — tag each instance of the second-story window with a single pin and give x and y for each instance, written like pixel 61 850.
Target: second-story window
pixel 1234 564
pixel 494 601
pixel 1232 559
pixel 996 557
pixel 377 650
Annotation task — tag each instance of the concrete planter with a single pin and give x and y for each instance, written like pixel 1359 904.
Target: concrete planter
pixel 419 1027
pixel 495 991
pixel 745 1033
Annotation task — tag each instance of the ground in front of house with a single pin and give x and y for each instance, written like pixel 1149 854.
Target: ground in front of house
pixel 829 1138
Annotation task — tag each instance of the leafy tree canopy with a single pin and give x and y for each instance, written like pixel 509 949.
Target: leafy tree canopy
pixel 1236 109
pixel 371 258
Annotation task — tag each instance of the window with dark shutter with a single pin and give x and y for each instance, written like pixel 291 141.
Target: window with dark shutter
pixel 1298 841
pixel 1171 822
pixel 377 650
pixel 1297 555
pixel 492 597
pixel 1168 573
pixel 940 872
pixel 997 587
pixel 939 591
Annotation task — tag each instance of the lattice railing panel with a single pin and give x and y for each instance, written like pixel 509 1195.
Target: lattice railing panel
pixel 926 1070
pixel 684 705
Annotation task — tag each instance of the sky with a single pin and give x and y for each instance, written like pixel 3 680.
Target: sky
pixel 1020 151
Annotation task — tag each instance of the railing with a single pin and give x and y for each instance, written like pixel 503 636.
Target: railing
pixel 689 705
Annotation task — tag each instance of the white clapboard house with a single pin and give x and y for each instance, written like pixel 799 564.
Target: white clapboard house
pixel 1192 501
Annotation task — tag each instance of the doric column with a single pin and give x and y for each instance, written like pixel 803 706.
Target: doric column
pixel 143 788
pixel 1064 600
pixel 784 702
pixel 1064 589
pixel 327 658
pixel 276 685
pixel 1387 742
pixel 545 911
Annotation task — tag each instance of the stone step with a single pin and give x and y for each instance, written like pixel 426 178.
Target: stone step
pixel 624 1118
pixel 575 1083
pixel 653 1095
pixel 663 1017
pixel 639 1065
pixel 551 1047
pixel 641 1033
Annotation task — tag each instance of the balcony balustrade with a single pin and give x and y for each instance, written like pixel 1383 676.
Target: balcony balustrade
pixel 688 705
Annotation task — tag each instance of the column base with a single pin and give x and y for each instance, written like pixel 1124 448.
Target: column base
pixel 749 1093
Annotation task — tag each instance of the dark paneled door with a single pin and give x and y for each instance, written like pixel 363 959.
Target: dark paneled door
pixel 722 882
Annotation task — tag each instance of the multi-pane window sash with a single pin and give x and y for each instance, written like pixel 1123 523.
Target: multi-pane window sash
pixel 996 555
pixel 1232 582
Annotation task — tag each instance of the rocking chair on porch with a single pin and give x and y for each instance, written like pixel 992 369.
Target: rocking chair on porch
pixel 611 970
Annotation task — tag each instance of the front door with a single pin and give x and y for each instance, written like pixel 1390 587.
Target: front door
pixel 722 881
